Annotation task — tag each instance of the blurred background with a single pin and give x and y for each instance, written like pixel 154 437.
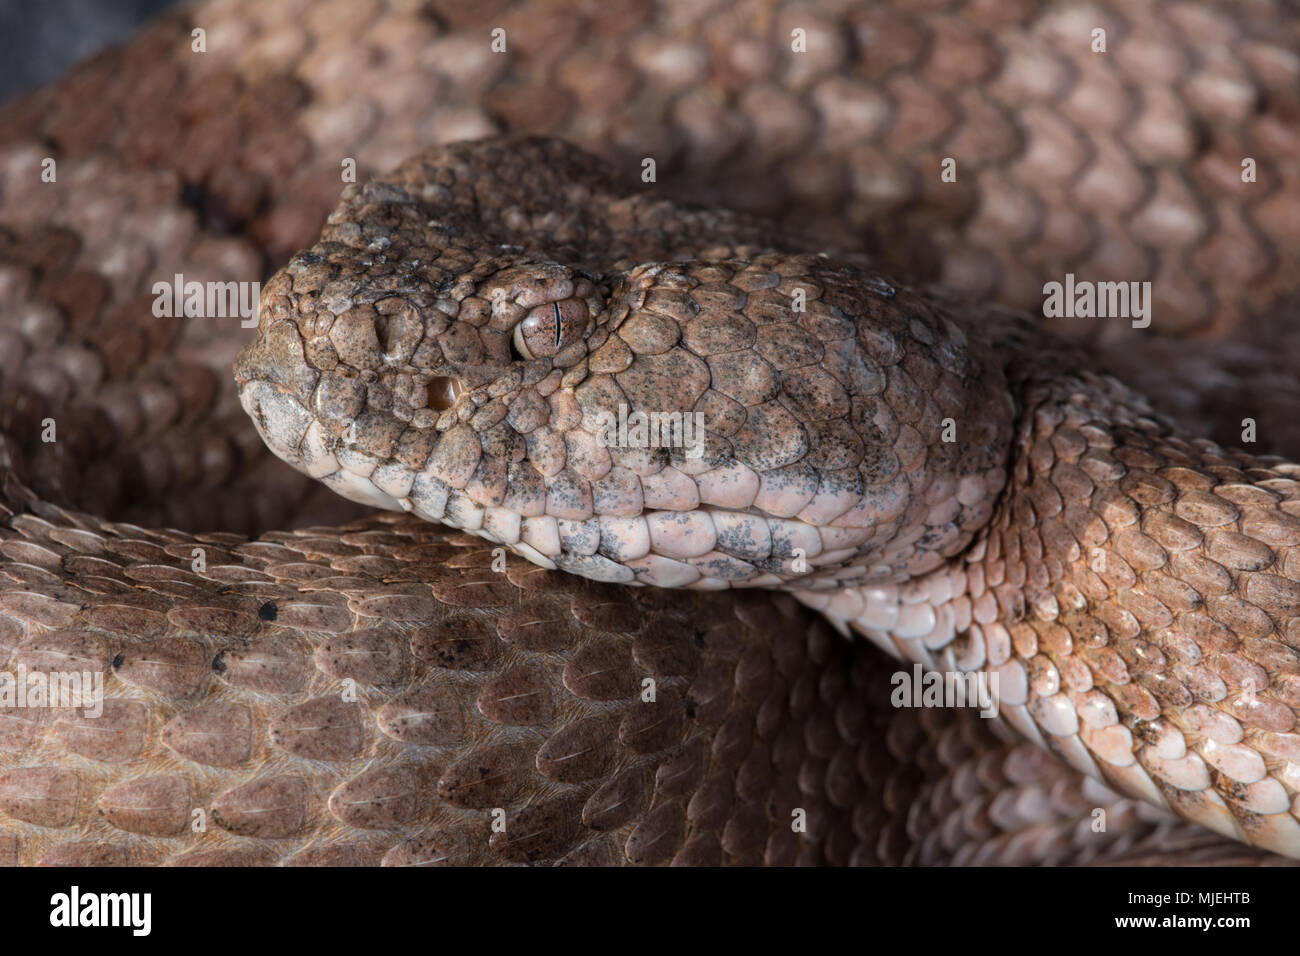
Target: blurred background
pixel 40 40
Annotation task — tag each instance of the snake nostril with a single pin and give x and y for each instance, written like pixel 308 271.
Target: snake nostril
pixel 443 393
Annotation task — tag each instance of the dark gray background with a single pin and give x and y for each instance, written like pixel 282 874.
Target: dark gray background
pixel 40 39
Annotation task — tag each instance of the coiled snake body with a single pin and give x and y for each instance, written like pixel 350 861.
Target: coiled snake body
pixel 950 479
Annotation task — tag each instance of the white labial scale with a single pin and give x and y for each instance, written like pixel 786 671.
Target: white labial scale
pixel 624 539
pixel 393 479
pixel 791 536
pixel 817 585
pixel 318 461
pixel 1278 831
pixel 846 604
pixel 428 497
pixel 502 524
pixel 944 630
pixel 948 587
pixel 1266 796
pixel 784 499
pixel 881 610
pixel 463 512
pixel 279 418
pixel 884 505
pixel 1170 742
pixel 681 534
pixel 708 584
pixel 723 566
pixel 915 621
pixel 914 591
pixel 359 489
pixel 880 638
pixel 541 534
pixel 357 462
pixel 579 537
pixel 1113 744
pixel 745 536
pixel 1013 682
pixel 532 554
pixel 595 567
pixel 659 571
pixel 764 580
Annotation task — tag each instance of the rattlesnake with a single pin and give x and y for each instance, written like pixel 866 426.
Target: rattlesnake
pixel 386 691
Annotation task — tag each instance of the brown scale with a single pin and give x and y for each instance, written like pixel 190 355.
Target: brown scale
pixel 469 701
pixel 1085 569
pixel 222 166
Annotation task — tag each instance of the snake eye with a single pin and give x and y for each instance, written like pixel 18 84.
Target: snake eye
pixel 548 328
pixel 443 393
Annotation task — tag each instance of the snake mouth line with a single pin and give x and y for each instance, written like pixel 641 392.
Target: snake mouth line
pixel 703 547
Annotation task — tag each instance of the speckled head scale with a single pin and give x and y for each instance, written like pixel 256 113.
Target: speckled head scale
pixel 390 690
pixel 465 327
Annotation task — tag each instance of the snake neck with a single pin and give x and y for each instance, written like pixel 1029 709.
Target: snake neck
pixel 1133 605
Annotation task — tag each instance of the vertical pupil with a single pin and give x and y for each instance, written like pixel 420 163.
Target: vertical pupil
pixel 556 307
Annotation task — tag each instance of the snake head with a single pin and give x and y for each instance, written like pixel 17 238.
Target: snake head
pixel 365 384
pixel 496 338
